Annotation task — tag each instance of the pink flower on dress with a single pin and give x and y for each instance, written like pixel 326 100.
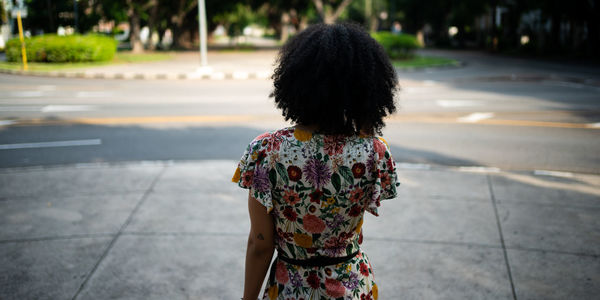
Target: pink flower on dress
pixel 281 273
pixel 358 170
pixel 364 269
pixel 334 145
pixel 274 144
pixel 334 288
pixel 264 135
pixel 247 179
pixel 313 280
pixel 290 214
pixel 294 173
pixel 291 197
pixel 379 148
pixel 313 224
pixel 385 180
pixel 357 195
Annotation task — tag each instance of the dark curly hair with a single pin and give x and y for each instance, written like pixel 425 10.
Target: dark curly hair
pixel 337 78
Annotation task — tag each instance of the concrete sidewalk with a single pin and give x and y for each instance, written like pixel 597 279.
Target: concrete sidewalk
pixel 158 230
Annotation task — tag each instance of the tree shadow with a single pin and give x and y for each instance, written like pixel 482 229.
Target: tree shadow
pixel 137 143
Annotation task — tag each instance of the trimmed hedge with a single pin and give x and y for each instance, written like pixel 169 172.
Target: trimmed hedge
pixel 397 46
pixel 54 48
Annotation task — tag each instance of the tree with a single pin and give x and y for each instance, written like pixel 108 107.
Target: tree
pixel 281 14
pixel 328 11
pixel 136 9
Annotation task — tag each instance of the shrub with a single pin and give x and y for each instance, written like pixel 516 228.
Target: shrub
pixel 397 46
pixel 53 48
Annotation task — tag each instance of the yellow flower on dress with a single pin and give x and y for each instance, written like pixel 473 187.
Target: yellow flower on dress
pixel 272 292
pixel 303 240
pixel 375 291
pixel 302 135
pixel 254 155
pixel 237 175
pixel 330 201
pixel 335 210
pixel 359 226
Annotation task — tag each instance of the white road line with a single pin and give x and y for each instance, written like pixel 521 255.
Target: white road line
pixel 85 94
pixel 479 169
pixel 27 94
pixel 46 88
pixel 456 103
pixel 240 75
pixel 6 122
pixel 594 125
pixel 66 108
pixel 71 143
pixel 13 108
pixel 411 166
pixel 553 173
pixel 475 117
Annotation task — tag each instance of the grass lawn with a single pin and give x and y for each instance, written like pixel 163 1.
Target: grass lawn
pixel 120 58
pixel 424 61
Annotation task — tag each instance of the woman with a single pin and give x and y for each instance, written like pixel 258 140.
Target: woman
pixel 311 184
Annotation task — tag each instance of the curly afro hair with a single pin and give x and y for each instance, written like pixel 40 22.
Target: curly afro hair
pixel 337 78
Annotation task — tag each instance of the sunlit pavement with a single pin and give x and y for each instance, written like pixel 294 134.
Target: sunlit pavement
pixel 160 230
pixel 120 188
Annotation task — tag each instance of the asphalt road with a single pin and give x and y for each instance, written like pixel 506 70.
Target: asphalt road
pixel 494 112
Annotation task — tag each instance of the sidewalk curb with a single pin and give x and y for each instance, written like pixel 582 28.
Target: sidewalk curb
pixel 235 75
pixel 457 65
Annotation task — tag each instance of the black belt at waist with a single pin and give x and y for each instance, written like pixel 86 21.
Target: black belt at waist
pixel 318 261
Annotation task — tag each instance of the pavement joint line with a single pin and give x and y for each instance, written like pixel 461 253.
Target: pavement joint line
pixel 431 242
pixel 592 255
pixel 539 204
pixel 120 232
pixel 501 235
pixel 468 244
pixel 54 238
pixel 198 233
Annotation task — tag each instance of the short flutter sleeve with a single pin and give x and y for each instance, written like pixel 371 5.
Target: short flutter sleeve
pixel 253 171
pixel 386 178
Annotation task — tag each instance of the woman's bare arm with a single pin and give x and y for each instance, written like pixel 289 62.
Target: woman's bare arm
pixel 260 248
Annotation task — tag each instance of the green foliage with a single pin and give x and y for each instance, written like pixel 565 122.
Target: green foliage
pixel 397 46
pixel 73 48
pixel 236 20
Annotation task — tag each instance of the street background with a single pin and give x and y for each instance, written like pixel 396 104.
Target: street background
pixel 132 200
pixel 115 175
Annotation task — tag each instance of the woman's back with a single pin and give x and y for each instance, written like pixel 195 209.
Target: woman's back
pixel 317 188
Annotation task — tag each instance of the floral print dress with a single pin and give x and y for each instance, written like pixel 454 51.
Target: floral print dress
pixel 317 188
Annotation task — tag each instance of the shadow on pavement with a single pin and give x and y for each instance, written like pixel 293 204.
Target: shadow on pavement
pixel 136 143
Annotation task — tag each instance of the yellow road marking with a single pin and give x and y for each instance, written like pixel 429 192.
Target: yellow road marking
pixel 254 118
pixel 144 120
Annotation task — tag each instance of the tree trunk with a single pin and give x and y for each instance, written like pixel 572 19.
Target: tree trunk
pixel 152 25
pixel 134 35
pixel 179 37
pixel 134 28
pixel 327 15
pixel 285 25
